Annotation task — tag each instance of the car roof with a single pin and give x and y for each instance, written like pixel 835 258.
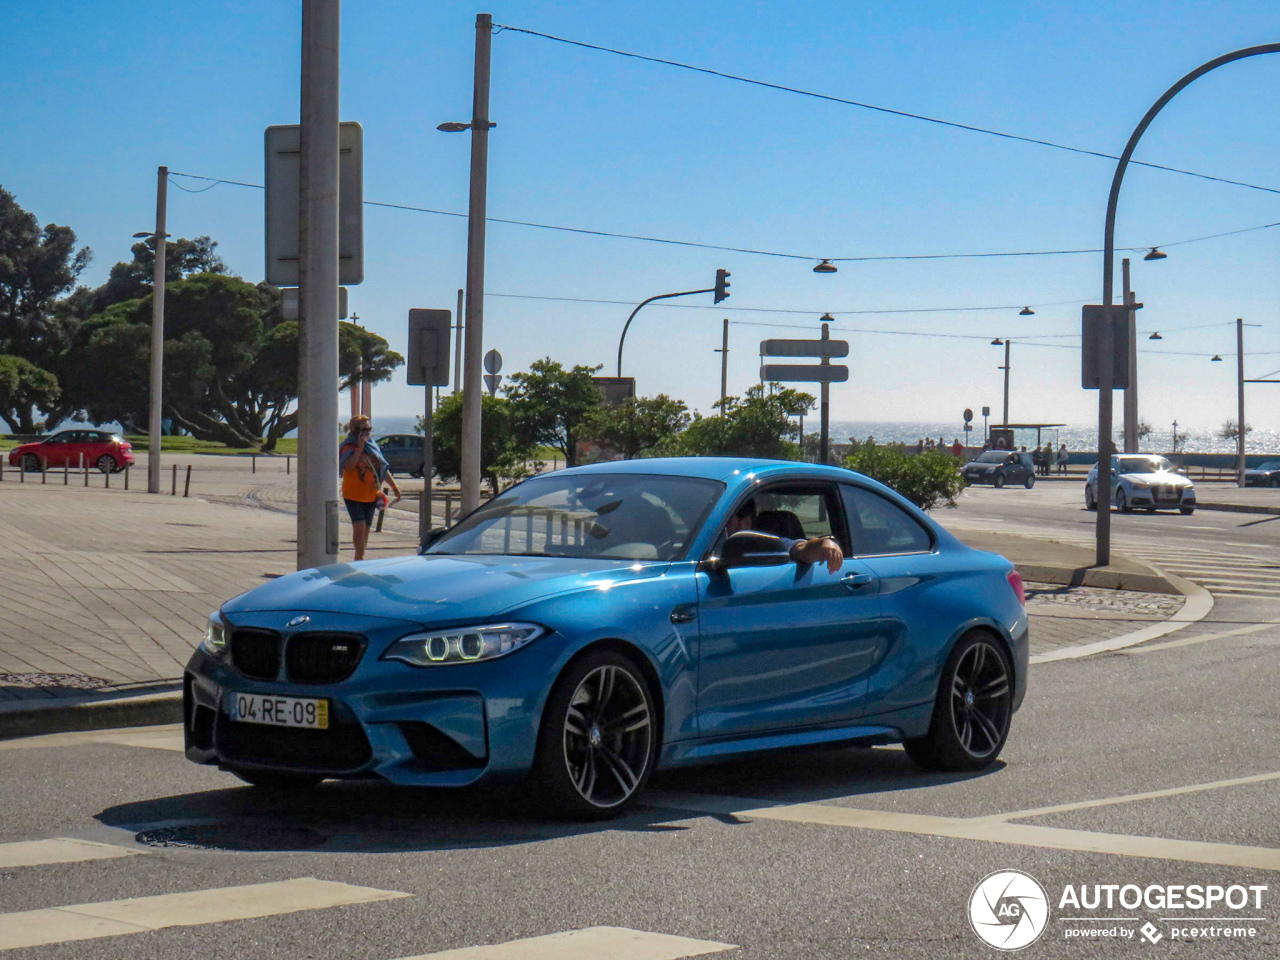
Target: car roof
pixel 724 469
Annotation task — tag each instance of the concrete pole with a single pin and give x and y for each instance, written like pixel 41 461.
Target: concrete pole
pixel 157 333
pixel 1007 344
pixel 724 365
pixel 1240 426
pixel 1131 391
pixel 428 465
pixel 458 326
pixel 826 404
pixel 472 382
pixel 318 288
pixel 366 398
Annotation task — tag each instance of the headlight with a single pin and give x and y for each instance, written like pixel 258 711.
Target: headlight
pixel 463 644
pixel 215 635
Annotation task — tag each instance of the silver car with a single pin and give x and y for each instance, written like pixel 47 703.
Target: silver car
pixel 1143 481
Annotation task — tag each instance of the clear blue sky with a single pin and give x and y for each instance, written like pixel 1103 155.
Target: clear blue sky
pixel 96 95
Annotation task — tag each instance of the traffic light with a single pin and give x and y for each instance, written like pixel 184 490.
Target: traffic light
pixel 722 285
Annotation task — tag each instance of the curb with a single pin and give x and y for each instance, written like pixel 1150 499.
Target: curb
pixel 66 717
pixel 1239 508
pixel 1197 606
pixel 1095 577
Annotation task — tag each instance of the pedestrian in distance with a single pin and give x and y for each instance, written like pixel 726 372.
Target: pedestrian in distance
pixel 1037 460
pixel 1048 459
pixel 1063 457
pixel 957 448
pixel 364 470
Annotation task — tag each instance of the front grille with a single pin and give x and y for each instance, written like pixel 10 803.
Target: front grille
pixel 341 748
pixel 1167 493
pixel 256 653
pixel 323 657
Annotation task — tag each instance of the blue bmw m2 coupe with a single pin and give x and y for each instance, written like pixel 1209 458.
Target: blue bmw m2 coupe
pixel 589 626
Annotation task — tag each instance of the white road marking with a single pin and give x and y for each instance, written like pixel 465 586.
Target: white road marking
pixel 86 921
pixel 33 853
pixel 592 943
pixel 165 736
pixel 984 829
pixel 1204 638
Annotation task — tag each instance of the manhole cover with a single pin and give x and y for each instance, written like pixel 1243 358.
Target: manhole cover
pixel 77 681
pixel 233 836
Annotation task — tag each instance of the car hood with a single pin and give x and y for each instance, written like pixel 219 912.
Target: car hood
pixel 27 447
pixel 1157 479
pixel 439 588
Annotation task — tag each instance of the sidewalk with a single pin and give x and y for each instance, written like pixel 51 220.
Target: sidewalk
pixel 108 590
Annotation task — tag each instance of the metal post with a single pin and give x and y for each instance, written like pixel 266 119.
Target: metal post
pixel 826 403
pixel 1130 392
pixel 458 326
pixel 1007 345
pixel 66 473
pixel 724 365
pixel 1240 427
pixel 126 477
pixel 173 490
pixel 44 468
pixel 318 287
pixel 157 334
pixel 472 390
pixel 186 487
pixel 428 465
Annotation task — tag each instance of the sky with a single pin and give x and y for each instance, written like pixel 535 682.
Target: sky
pixel 95 96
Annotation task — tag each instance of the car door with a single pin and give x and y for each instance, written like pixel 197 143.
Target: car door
pixel 54 450
pixel 789 645
pixel 899 552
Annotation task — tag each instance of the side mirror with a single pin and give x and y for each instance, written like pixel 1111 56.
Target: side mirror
pixel 751 549
pixel 431 538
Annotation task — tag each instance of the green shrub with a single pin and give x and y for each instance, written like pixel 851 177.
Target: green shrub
pixel 925 478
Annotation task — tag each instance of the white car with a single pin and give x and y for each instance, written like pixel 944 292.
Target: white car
pixel 1143 481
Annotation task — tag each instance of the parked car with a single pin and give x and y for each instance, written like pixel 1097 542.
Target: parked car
pixel 1263 475
pixel 108 452
pixel 1144 481
pixel 593 624
pixel 404 452
pixel 998 467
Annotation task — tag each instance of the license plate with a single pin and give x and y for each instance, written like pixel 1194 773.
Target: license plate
pixel 278 711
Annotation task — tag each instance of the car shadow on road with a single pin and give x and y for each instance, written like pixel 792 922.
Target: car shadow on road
pixel 376 817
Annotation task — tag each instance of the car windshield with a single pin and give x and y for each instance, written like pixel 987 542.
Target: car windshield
pixel 609 516
pixel 1144 465
pixel 993 456
pixel 1269 465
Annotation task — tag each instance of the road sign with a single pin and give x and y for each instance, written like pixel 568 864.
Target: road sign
pixel 986 411
pixel 804 373
pixel 804 348
pixel 491 380
pixel 289 303
pixel 615 390
pixel 968 415
pixel 283 155
pixel 1099 335
pixel 492 362
pixel 428 363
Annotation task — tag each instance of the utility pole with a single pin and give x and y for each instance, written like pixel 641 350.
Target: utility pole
pixel 724 365
pixel 1131 391
pixel 157 333
pixel 457 344
pixel 472 389
pixel 826 403
pixel 1240 427
pixel 318 287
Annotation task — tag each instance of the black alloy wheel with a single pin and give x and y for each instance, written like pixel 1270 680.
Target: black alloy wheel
pixel 597 744
pixel 998 481
pixel 278 780
pixel 107 464
pixel 973 709
pixel 30 463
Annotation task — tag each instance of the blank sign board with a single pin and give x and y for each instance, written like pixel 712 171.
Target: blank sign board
pixel 804 373
pixel 804 348
pixel 428 362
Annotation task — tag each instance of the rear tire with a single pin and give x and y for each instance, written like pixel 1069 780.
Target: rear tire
pixel 972 711
pixel 1275 482
pixel 998 481
pixel 278 780
pixel 597 744
pixel 1186 511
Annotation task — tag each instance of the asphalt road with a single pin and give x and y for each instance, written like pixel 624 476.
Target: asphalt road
pixel 1160 766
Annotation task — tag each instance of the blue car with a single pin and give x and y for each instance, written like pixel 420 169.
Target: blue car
pixel 589 626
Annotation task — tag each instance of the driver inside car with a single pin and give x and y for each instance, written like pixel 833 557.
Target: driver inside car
pixel 802 550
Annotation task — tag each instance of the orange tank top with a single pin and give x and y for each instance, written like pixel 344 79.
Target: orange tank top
pixel 359 482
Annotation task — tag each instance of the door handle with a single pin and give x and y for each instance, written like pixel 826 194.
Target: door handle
pixel 856 579
pixel 683 615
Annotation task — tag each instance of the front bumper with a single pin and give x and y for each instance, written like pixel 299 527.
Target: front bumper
pixel 1162 500
pixel 426 726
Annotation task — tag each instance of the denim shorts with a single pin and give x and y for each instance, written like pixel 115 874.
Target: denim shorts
pixel 361 512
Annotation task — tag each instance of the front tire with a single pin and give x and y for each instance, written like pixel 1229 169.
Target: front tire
pixel 972 711
pixel 998 481
pixel 30 463
pixel 1090 501
pixel 107 464
pixel 1030 481
pixel 597 744
pixel 1186 511
pixel 1122 502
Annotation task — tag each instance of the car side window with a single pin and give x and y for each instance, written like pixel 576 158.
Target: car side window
pixel 796 511
pixel 878 527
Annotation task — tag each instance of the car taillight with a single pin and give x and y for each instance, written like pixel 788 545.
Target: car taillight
pixel 1015 581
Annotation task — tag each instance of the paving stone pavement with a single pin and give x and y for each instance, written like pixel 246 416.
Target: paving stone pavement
pixel 107 590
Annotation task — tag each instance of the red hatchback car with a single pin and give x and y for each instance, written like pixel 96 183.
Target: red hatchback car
pixel 106 451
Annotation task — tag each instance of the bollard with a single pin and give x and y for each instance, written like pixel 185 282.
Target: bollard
pixel 448 509
pixel 84 470
pixel 2 459
pixel 254 458
pixel 288 465
pixel 126 476
pixel 186 487
pixel 106 479
pixel 174 491
pixel 44 468
pixel 66 472
pixel 381 514
pixel 22 472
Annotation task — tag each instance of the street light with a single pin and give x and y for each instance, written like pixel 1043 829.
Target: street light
pixel 1216 359
pixel 1026 312
pixel 826 266
pixel 1155 254
pixel 1155 336
pixel 1006 344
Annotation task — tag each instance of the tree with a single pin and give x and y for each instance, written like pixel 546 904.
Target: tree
pixel 502 452
pixel 758 424
pixel 132 279
pixel 924 478
pixel 1230 430
pixel 23 385
pixel 1144 430
pixel 549 403
pixel 635 425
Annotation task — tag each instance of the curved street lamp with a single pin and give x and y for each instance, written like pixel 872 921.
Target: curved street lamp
pixel 1105 372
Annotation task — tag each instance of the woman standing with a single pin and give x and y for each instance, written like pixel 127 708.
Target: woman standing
pixel 364 469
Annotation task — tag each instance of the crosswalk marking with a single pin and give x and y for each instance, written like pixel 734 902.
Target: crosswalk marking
pixel 591 943
pixel 34 853
pixel 86 921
